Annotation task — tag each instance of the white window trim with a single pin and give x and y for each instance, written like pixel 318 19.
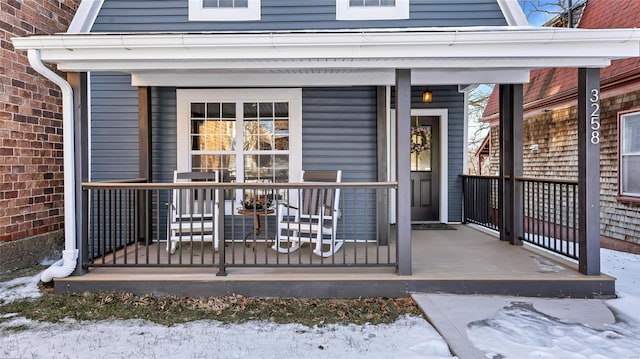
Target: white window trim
pixel 621 169
pixel 292 96
pixel 197 12
pixel 398 12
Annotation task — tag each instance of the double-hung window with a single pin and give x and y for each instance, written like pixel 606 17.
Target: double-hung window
pixel 224 10
pixel 629 166
pixel 246 135
pixel 372 9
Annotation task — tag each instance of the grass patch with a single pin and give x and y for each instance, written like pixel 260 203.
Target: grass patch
pixel 169 310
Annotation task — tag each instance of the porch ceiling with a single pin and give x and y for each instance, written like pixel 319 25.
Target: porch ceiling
pixel 476 54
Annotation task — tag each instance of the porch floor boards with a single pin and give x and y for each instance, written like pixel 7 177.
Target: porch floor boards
pixel 462 261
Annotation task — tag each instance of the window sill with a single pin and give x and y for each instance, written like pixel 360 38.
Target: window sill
pixel 627 199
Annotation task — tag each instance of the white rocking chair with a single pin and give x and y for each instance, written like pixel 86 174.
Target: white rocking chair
pixel 313 220
pixel 193 212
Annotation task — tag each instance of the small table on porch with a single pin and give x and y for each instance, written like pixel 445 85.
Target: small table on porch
pixel 257 229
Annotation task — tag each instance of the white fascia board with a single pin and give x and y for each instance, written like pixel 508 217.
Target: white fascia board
pixel 85 16
pixel 533 45
pixel 325 78
pixel 513 13
pixel 413 37
pixel 525 52
pixel 450 64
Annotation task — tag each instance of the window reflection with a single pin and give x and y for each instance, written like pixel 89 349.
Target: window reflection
pixel 265 132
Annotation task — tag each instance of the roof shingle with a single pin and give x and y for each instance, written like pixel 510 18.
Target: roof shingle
pixel 598 14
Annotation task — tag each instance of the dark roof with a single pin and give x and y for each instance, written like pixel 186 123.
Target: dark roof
pixel 555 84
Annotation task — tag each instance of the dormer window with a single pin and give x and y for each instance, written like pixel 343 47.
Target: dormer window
pixel 224 10
pixel 372 9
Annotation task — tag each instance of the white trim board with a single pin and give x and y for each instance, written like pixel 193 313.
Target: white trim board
pixel 452 49
pixel 197 12
pixel 292 96
pixel 302 78
pixel 346 12
pixel 513 13
pixel 443 114
pixel 85 16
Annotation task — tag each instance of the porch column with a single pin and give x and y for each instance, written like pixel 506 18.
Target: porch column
pixel 78 82
pixel 144 135
pixel 589 170
pixel 145 170
pixel 403 169
pixel 382 195
pixel 511 201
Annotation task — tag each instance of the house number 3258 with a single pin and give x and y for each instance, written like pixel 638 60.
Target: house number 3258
pixel 595 116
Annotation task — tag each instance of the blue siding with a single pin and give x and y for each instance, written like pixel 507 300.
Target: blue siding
pixel 114 127
pixel 339 131
pixel 163 133
pixel 448 97
pixel 172 15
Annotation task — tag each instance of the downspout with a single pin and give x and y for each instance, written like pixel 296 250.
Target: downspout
pixel 65 266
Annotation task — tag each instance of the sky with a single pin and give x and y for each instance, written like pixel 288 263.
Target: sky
pixel 537 18
pixel 512 332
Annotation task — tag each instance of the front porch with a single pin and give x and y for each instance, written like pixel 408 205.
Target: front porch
pixel 352 112
pixel 462 261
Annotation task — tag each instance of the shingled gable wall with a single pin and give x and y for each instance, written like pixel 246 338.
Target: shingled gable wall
pixel 555 135
pixel 31 191
pixel 554 131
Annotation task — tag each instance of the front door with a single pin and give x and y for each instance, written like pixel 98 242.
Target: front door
pixel 425 163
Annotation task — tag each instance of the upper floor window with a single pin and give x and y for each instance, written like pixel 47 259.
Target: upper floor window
pixel 372 2
pixel 224 10
pixel 225 3
pixel 629 132
pixel 372 9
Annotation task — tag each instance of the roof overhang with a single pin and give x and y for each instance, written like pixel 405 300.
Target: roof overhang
pixel 435 55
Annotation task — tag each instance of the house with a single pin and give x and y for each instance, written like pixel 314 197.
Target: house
pixel 550 141
pixel 261 90
pixel 31 203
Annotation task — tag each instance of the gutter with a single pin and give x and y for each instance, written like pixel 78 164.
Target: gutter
pixel 68 263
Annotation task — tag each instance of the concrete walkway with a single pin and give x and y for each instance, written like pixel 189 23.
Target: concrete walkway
pixel 451 314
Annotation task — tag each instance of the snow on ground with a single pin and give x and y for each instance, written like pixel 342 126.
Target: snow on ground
pixel 19 288
pixel 409 337
pixel 515 331
pixel 518 331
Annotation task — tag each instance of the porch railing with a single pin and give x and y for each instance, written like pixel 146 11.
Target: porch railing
pixel 549 210
pixel 481 201
pixel 550 213
pixel 126 226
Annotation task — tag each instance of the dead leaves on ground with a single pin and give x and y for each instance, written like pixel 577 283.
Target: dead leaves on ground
pixel 169 310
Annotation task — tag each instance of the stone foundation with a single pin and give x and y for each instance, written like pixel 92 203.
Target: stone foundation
pixel 30 251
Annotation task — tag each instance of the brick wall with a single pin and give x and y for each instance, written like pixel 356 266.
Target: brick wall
pixel 555 135
pixel 31 195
